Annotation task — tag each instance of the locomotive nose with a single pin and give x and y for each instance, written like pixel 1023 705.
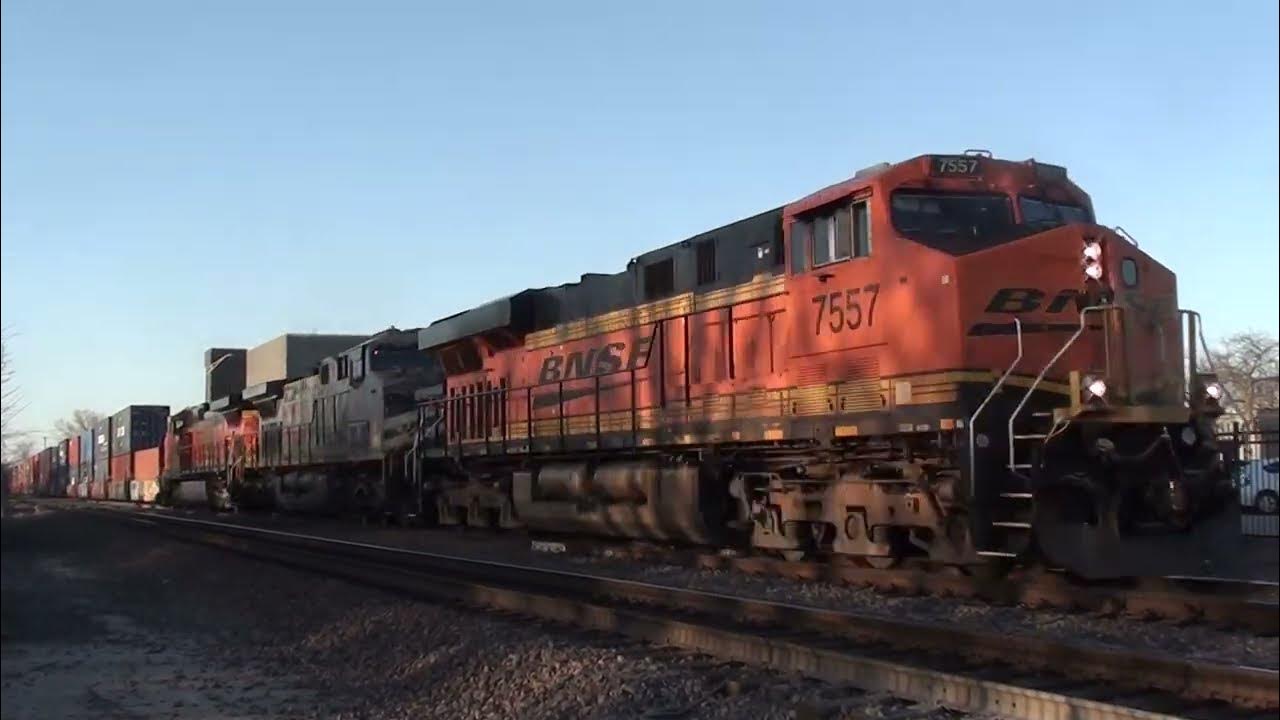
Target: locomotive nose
pixel 1042 281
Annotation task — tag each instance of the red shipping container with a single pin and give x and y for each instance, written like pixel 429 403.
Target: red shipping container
pixel 73 452
pixel 122 468
pixel 146 464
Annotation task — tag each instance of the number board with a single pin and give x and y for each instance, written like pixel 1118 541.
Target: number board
pixel 955 166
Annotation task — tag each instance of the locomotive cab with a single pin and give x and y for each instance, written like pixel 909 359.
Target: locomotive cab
pixel 1093 445
pixel 1046 352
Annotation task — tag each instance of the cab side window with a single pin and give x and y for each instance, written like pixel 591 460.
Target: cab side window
pixel 831 235
pixel 800 234
pixel 357 364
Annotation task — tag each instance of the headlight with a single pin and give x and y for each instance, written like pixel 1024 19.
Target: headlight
pixel 1213 390
pixel 1092 260
pixel 1095 387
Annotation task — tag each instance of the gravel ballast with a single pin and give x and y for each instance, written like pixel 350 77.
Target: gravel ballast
pixel 105 620
pixel 1197 641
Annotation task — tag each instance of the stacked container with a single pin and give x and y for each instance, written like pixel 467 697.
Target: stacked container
pixel 135 429
pixel 146 475
pixel 86 463
pixel 58 481
pixel 73 466
pixel 44 471
pixel 101 459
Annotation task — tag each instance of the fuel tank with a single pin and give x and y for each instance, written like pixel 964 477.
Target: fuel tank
pixel 303 492
pixel 633 499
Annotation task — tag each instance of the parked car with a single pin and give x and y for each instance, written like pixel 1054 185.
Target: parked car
pixel 1259 483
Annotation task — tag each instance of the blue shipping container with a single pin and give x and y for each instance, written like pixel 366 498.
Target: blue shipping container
pixel 138 427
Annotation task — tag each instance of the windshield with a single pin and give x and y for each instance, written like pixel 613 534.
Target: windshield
pixel 1042 213
pixel 954 223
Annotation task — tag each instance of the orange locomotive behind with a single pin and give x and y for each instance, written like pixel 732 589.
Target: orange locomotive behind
pixel 945 359
pixel 205 452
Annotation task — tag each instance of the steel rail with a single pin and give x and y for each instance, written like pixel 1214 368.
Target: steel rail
pixel 1013 676
pixel 1225 603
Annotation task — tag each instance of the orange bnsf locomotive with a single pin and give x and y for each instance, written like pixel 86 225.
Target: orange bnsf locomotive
pixel 944 360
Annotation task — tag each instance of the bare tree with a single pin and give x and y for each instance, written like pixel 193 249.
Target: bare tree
pixel 79 421
pixel 20 449
pixel 1248 364
pixel 11 404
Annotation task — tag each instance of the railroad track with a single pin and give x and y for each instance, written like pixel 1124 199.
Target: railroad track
pixel 965 670
pixel 1232 604
pixel 1224 603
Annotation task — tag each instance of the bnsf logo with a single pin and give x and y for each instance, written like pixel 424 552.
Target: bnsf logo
pixel 594 361
pixel 1015 301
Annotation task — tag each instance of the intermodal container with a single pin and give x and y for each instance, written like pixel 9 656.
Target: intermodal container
pixel 61 468
pixel 145 484
pixel 44 472
pixel 86 456
pixel 117 489
pixel 122 468
pixel 138 427
pixel 73 464
pixel 147 464
pixel 102 450
pixel 98 489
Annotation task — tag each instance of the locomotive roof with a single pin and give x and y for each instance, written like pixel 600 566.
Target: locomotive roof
pixel 742 250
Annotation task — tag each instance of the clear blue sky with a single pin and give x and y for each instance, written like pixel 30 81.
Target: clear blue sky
pixel 183 175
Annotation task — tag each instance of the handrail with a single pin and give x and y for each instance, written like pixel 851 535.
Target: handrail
pixel 973 419
pixel 1045 371
pixel 1125 234
pixel 504 396
pixel 1194 326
